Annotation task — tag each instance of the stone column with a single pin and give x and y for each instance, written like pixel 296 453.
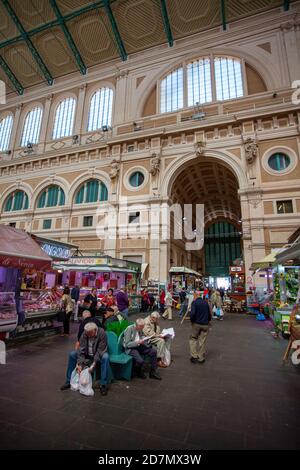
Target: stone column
pixel 45 123
pixel 80 110
pixel 120 98
pixel 14 133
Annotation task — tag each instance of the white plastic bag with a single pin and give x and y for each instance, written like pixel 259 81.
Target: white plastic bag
pixel 214 309
pixel 86 383
pixel 74 381
pixel 166 359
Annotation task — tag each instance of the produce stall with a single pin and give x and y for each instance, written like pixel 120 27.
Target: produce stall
pixel 183 277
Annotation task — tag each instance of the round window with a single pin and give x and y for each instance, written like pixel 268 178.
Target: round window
pixel 136 179
pixel 279 161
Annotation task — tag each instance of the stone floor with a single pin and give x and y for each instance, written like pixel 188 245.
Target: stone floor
pixel 241 398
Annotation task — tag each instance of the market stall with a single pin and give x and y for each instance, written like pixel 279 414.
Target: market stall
pixel 18 253
pixel 286 280
pixel 102 273
pixel 183 277
pixel 237 283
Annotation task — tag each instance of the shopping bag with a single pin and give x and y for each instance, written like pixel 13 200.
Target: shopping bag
pixel 166 359
pixel 74 381
pixel 86 383
pixel 214 309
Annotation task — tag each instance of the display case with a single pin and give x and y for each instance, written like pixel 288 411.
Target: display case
pixel 8 311
pixel 40 302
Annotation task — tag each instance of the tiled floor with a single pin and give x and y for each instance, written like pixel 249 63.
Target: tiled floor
pixel 241 398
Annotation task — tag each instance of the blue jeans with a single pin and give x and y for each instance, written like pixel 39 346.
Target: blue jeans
pixel 124 313
pixel 183 309
pixel 101 366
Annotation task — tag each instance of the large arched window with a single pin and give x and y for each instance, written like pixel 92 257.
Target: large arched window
pixel 5 132
pixel 228 77
pixel 91 191
pixel 64 118
pixel 171 91
pixel 16 201
pixel 100 111
pixel 51 197
pixel 32 127
pixel 199 82
pixel 202 81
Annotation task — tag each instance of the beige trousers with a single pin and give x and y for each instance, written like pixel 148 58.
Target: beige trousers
pixel 168 313
pixel 198 340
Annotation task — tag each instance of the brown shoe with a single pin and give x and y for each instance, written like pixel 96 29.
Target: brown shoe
pixel 161 364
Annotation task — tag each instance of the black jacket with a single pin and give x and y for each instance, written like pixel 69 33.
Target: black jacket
pixel 84 322
pixel 200 312
pixel 75 294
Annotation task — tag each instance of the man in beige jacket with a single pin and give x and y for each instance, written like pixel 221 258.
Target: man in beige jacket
pixel 152 329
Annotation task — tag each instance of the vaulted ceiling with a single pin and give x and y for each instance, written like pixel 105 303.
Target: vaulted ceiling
pixel 41 40
pixel 212 184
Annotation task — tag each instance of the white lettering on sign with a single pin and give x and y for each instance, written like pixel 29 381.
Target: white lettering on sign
pixel 56 251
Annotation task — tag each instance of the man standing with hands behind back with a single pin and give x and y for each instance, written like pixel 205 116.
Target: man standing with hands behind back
pixel 200 320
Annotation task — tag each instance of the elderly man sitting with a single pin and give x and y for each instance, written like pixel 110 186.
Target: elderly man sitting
pixel 92 353
pixel 152 329
pixel 138 348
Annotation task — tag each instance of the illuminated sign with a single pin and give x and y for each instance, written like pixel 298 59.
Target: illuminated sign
pixel 56 251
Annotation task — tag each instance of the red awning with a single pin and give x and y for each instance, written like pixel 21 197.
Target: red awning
pixel 19 250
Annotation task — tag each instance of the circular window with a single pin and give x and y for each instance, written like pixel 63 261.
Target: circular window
pixel 279 161
pixel 136 179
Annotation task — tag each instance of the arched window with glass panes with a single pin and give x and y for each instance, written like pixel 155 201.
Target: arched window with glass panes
pixel 100 110
pixel 64 118
pixel 201 81
pixel 16 201
pixel 32 127
pixel 52 196
pixel 5 132
pixel 91 191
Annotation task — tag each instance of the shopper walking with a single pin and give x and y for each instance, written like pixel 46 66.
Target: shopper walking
pixel 200 320
pixel 67 306
pixel 168 305
pixel 122 302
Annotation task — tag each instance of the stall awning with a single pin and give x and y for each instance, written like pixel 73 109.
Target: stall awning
pixel 19 250
pixel 265 262
pixel 289 255
pixel 144 267
pixel 92 268
pixel 183 270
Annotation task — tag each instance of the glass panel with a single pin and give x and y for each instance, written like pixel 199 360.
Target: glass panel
pixel 100 112
pixel 228 78
pixel 18 201
pixel 199 82
pixel 171 91
pixel 61 197
pixel 64 118
pixel 42 200
pixel 32 125
pixel 8 205
pixel 136 179
pixel 103 192
pixel 5 132
pixel 79 195
pixel 279 161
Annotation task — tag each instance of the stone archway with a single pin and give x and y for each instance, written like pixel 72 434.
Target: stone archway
pixel 190 179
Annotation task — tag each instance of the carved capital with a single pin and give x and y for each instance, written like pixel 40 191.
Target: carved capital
pixel 199 148
pixel 114 169
pixel 251 150
pixel 155 164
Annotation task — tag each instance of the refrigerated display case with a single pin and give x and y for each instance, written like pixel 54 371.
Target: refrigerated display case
pixel 40 308
pixel 8 311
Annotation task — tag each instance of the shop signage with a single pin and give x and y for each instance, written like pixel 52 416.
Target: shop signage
pixel 236 269
pixel 56 251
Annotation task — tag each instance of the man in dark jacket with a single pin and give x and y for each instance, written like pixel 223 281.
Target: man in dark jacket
pixel 200 319
pixel 73 355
